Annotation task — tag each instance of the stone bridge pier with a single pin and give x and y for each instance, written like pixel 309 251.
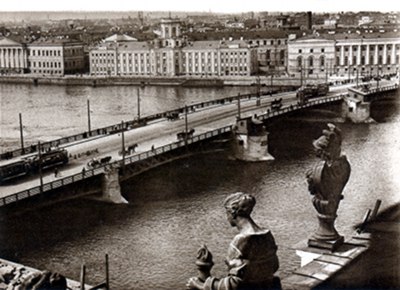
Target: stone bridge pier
pixel 356 107
pixel 251 140
pixel 110 186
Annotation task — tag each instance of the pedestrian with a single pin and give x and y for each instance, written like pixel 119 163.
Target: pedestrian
pixel 152 147
pixel 83 171
pixel 56 172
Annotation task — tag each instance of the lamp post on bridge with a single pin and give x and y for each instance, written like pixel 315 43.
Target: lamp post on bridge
pixel 272 78
pixel 238 105
pixel 258 101
pixel 40 167
pixel 138 104
pixel 123 144
pixel 186 125
pixel 21 134
pixel 88 116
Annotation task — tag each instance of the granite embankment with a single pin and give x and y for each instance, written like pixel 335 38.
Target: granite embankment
pixel 87 80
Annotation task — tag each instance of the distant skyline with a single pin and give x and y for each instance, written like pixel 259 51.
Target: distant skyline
pixel 224 6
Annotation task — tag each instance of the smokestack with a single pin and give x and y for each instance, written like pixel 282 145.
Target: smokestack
pixel 309 20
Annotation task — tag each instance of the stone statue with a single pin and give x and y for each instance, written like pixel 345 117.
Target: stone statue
pixel 251 260
pixel 326 182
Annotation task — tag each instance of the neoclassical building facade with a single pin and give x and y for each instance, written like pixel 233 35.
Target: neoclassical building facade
pixel 13 56
pixel 347 55
pixel 172 55
pixel 56 57
pixel 44 56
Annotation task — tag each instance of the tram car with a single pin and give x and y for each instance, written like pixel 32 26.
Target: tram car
pixel 13 170
pixel 311 91
pixel 49 159
pixel 31 164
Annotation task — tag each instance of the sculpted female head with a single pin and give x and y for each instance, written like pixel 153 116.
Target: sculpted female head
pixel 239 204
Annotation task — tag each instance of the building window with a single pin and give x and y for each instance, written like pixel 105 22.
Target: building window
pixel 322 61
pixel 322 49
pixel 311 50
pixel 310 61
pixel 299 62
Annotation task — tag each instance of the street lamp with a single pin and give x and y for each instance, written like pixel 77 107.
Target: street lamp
pixel 88 115
pixel 186 126
pixel 138 104
pixel 40 167
pixel 238 105
pixel 123 143
pixel 21 134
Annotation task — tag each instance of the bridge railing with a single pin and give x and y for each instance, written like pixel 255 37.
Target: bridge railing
pixel 125 126
pixel 102 168
pixel 151 153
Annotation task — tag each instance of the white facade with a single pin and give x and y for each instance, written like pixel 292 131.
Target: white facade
pixel 367 56
pixel 200 58
pixel 13 57
pixel 56 57
pixel 346 56
pixel 311 58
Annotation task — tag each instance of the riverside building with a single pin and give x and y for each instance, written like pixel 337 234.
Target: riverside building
pixel 344 55
pixel 172 55
pixel 56 56
pixel 13 56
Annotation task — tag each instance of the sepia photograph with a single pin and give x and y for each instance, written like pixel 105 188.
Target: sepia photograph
pixel 209 145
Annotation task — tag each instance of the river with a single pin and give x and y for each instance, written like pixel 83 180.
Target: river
pixel 172 210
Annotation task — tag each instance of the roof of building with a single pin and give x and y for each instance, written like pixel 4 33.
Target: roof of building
pixel 215 44
pixel 8 42
pixel 342 36
pixel 119 38
pixel 248 34
pixel 54 41
pixel 137 45
pixel 132 45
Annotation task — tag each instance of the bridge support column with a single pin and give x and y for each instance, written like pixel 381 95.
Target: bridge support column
pixel 356 111
pixel 111 190
pixel 251 141
pixel 356 108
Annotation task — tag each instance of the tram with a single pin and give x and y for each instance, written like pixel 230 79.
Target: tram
pixel 32 164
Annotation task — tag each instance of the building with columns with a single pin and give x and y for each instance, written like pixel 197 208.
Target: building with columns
pixel 368 54
pixel 344 55
pixel 13 56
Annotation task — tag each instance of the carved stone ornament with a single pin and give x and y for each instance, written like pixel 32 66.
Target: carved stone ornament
pixel 326 182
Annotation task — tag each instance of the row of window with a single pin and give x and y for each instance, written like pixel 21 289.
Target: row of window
pixel 372 60
pixel 50 72
pixel 268 42
pixel 54 64
pixel 38 52
pixel 311 50
pixel 389 47
pixel 309 62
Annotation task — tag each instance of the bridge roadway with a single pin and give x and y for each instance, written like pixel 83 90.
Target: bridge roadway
pixel 157 133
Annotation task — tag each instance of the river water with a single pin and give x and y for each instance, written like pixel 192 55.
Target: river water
pixel 172 210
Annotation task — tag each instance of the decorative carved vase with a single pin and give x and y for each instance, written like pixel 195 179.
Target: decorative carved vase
pixel 326 182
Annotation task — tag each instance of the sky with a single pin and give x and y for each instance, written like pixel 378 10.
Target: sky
pixel 227 6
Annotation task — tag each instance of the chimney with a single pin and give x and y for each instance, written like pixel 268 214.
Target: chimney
pixel 309 20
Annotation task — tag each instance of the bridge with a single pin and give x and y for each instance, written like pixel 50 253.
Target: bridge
pixel 100 159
